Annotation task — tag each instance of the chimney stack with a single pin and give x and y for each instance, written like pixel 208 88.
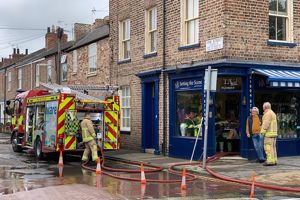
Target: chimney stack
pixel 51 38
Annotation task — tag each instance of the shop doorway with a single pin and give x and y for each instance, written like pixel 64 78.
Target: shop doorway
pixel 227 121
pixel 150 117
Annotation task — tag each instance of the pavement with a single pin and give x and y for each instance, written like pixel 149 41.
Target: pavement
pixel 4 138
pixel 286 173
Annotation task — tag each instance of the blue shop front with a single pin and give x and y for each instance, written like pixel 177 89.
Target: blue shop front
pixel 239 87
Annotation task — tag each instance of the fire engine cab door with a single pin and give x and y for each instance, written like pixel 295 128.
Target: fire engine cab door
pixel 111 130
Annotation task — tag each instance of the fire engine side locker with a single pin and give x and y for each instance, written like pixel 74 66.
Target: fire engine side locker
pixel 112 124
pixel 66 102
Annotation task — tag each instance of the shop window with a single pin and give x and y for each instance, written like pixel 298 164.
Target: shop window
pixel 280 20
pixel 189 113
pixel 286 107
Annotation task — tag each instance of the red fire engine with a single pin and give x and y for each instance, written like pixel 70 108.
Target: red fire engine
pixel 50 122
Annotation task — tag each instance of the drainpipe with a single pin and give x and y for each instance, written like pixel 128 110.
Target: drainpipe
pixel 164 82
pixel 5 74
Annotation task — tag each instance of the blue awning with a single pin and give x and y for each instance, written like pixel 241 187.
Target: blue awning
pixel 281 78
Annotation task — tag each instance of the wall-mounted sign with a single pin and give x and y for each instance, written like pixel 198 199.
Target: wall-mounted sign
pixel 214 44
pixel 188 84
pixel 229 83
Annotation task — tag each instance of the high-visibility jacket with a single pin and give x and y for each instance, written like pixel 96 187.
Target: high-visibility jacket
pixel 269 124
pixel 87 130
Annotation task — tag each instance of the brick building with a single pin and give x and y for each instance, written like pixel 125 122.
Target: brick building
pixel 88 59
pixel 160 50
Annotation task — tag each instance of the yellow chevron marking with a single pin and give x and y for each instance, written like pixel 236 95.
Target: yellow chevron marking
pixel 67 140
pixel 107 145
pixel 64 103
pixel 61 130
pixel 61 118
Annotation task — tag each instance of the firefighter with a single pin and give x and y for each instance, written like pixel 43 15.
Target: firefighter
pixel 269 130
pixel 89 137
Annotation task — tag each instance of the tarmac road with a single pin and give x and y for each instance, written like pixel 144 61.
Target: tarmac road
pixel 22 177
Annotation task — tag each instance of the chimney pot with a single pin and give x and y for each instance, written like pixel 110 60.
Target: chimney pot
pixel 18 51
pixel 26 50
pixel 14 51
pixel 48 29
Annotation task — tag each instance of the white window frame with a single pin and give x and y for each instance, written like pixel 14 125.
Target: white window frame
pixel 9 81
pixel 289 21
pixel 49 71
pixel 92 58
pixel 74 62
pixel 20 78
pixel 187 21
pixel 151 30
pixel 63 68
pixel 124 39
pixel 125 95
pixel 37 75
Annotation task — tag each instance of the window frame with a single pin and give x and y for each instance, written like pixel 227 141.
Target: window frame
pixel 127 107
pixel 63 68
pixel 288 19
pixel 123 41
pixel 92 56
pixel 37 75
pixel 184 39
pixel 20 78
pixel 49 71
pixel 149 31
pixel 74 62
pixel 9 81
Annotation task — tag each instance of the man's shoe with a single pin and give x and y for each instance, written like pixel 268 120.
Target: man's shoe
pixel 267 164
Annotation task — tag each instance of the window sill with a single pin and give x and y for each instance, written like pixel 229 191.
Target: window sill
pixel 188 47
pixel 125 132
pixel 280 43
pixel 91 74
pixel 128 60
pixel 150 55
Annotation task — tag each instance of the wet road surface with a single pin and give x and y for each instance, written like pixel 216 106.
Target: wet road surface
pixel 29 174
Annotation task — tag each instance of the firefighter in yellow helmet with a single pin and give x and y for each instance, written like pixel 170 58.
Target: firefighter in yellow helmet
pixel 89 137
pixel 269 130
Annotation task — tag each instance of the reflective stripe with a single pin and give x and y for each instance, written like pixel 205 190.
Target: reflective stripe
pixel 14 120
pixel 20 120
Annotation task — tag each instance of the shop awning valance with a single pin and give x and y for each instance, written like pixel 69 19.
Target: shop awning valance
pixel 281 78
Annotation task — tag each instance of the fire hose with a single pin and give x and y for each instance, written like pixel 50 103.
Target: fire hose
pixel 171 169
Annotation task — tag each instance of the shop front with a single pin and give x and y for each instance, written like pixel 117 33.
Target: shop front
pixel 238 89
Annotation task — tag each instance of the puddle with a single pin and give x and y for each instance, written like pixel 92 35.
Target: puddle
pixel 43 174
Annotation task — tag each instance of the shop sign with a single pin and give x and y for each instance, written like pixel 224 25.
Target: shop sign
pixel 188 84
pixel 230 83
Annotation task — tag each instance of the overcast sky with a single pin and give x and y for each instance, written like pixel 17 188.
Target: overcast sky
pixel 40 14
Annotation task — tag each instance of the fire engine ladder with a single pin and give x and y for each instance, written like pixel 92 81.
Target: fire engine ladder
pixel 79 95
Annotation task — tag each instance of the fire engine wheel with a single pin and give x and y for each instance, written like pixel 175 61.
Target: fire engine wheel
pixel 38 149
pixel 14 143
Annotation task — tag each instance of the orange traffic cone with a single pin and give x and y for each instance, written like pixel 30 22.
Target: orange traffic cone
pixel 98 169
pixel 143 190
pixel 60 162
pixel 252 187
pixel 60 171
pixel 183 182
pixel 143 178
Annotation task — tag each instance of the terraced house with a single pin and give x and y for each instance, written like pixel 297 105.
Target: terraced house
pixel 160 50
